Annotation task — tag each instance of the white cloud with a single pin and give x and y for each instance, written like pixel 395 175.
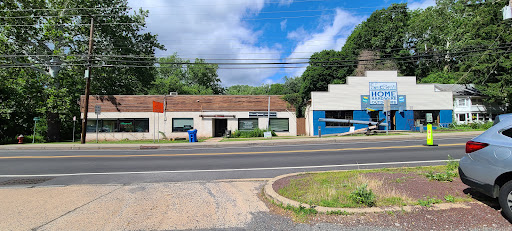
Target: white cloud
pixel 199 29
pixel 333 35
pixel 283 24
pixel 285 2
pixel 414 5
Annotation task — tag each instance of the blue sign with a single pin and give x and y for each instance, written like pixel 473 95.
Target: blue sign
pixel 401 105
pixel 380 91
pixel 365 99
pixel 401 99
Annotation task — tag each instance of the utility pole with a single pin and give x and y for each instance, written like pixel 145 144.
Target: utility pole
pixel 88 83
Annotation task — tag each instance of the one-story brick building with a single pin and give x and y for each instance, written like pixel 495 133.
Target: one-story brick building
pixel 132 117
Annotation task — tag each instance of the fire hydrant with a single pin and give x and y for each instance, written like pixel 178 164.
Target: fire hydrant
pixel 20 139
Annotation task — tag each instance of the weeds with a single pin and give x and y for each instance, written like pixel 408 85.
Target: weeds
pixel 338 212
pixel 363 195
pixel 429 202
pixel 451 166
pixel 449 198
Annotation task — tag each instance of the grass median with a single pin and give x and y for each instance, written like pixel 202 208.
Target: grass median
pixel 382 187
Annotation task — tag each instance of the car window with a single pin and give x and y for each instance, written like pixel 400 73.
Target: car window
pixel 507 132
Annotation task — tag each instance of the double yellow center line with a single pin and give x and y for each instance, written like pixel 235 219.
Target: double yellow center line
pixel 221 153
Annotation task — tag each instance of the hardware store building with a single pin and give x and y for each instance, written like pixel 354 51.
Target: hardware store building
pixel 132 117
pixel 361 98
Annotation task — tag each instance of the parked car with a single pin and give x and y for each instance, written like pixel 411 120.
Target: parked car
pixel 487 165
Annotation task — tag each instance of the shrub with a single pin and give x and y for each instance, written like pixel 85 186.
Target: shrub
pixel 248 134
pixel 363 195
pixel 38 139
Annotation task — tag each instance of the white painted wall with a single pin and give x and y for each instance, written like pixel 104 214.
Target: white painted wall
pixel 348 96
pixel 163 122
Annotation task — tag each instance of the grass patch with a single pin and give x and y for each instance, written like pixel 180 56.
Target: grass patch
pixel 449 173
pixel 428 202
pixel 353 189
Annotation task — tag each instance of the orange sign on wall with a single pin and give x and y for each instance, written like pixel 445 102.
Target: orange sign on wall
pixel 158 107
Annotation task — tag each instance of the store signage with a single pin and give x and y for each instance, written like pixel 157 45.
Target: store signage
pixel 380 91
pixel 262 114
pixel 158 107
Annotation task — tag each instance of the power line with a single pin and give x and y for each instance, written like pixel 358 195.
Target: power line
pixel 339 63
pixel 462 50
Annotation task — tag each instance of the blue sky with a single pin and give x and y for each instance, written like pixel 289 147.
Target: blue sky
pixel 254 31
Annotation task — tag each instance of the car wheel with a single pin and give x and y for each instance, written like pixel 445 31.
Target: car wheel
pixel 505 199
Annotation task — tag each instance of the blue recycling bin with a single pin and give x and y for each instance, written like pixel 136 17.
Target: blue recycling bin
pixel 192 135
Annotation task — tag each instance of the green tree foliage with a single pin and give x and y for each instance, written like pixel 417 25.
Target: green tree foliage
pixel 178 75
pixel 50 40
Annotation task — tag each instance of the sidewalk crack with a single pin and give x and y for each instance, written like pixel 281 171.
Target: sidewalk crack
pixel 81 206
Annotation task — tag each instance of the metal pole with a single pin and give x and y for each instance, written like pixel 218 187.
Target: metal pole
pixel 97 121
pixel 87 85
pixel 158 125
pixel 34 135
pixel 387 122
pixel 74 122
pixel 268 114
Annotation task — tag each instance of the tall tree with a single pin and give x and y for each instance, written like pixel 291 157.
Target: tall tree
pixel 182 76
pixel 51 38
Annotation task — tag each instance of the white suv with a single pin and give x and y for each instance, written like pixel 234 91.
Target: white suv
pixel 487 165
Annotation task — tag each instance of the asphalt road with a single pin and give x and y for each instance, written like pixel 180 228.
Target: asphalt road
pixel 143 166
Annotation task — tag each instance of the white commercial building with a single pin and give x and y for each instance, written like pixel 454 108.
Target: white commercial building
pixel 412 105
pixel 132 117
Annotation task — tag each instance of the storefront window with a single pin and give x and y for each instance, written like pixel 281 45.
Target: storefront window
pixel 141 125
pixel 119 125
pixel 279 125
pixel 182 124
pixel 247 124
pixel 426 117
pixel 347 115
pixel 91 125
pixel 109 126
pixel 126 125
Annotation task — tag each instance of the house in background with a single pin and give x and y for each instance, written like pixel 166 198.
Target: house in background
pixel 468 104
pixel 132 117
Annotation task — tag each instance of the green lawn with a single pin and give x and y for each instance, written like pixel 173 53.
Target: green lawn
pixel 337 189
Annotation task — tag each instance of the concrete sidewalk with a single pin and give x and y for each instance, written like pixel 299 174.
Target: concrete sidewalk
pixel 161 206
pixel 269 142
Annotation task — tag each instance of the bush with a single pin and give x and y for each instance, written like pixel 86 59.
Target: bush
pixel 38 139
pixel 248 134
pixel 363 195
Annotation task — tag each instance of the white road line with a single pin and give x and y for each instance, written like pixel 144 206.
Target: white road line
pixel 237 147
pixel 228 170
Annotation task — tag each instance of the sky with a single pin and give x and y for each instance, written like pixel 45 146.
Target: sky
pixel 257 31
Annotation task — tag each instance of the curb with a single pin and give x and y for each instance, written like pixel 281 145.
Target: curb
pixel 273 195
pixel 270 142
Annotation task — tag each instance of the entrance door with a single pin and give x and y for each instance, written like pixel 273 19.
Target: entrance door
pixel 392 118
pixel 221 125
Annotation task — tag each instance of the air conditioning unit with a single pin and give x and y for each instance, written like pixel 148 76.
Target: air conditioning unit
pixel 173 93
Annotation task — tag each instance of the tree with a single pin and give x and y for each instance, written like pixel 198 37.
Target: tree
pixel 183 77
pixel 51 38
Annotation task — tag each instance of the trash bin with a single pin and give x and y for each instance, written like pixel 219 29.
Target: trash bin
pixel 192 135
